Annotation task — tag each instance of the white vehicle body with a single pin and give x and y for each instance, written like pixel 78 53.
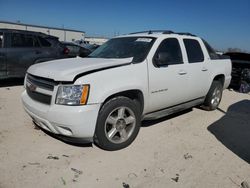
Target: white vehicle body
pixel 159 88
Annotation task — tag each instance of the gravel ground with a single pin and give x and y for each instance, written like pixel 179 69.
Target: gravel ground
pixel 192 149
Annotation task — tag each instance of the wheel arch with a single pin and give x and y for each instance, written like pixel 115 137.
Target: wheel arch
pixel 220 78
pixel 133 94
pixel 217 77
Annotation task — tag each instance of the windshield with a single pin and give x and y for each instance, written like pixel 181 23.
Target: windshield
pixel 125 47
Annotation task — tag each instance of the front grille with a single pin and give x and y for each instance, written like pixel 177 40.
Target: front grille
pixel 40 97
pixel 35 82
pixel 44 83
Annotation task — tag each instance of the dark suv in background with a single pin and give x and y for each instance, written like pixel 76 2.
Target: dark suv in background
pixel 240 69
pixel 20 49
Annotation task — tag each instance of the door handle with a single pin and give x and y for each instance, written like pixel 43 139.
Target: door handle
pixel 204 69
pixel 182 72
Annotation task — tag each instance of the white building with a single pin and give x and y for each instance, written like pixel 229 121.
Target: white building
pixel 63 34
pixel 95 40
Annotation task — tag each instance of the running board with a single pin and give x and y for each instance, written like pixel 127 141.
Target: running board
pixel 174 109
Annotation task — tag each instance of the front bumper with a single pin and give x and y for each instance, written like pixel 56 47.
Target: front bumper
pixel 69 121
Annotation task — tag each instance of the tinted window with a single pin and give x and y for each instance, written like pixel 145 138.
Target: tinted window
pixel 44 42
pixel 17 40
pixel 22 40
pixel 1 40
pixel 194 51
pixel 31 41
pixel 35 41
pixel 171 49
pixel 211 51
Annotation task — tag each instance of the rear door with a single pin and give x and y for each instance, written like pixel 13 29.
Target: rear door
pixel 3 67
pixel 198 68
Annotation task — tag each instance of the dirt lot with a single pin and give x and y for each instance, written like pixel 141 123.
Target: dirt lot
pixel 193 149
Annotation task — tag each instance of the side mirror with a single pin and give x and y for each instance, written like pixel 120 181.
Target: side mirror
pixel 163 59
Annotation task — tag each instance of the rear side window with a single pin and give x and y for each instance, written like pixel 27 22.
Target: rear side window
pixel 171 48
pixel 194 51
pixel 22 40
pixel 44 42
pixel 1 39
pixel 31 41
pixel 17 40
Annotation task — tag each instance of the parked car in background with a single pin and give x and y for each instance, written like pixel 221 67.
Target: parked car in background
pixel 20 49
pixel 72 50
pixel 91 47
pixel 240 68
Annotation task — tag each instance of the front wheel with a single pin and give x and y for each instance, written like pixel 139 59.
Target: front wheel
pixel 118 124
pixel 214 96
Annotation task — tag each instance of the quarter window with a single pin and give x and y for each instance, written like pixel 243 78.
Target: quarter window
pixel 44 42
pixel 194 51
pixel 170 49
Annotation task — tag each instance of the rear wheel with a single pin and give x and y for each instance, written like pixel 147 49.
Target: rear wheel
pixel 214 96
pixel 118 124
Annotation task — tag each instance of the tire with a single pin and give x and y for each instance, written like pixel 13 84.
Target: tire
pixel 214 96
pixel 118 124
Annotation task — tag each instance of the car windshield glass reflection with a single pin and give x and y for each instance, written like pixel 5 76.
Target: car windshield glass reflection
pixel 125 47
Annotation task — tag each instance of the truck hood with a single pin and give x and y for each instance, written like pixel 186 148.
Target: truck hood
pixel 67 69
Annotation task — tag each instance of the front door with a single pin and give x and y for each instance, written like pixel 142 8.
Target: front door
pixel 168 76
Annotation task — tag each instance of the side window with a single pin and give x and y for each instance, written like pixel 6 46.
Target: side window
pixel 168 53
pixel 17 40
pixel 1 39
pixel 211 51
pixel 35 41
pixel 28 41
pixel 22 40
pixel 194 51
pixel 31 41
pixel 44 42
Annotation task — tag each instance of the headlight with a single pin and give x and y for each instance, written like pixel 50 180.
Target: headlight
pixel 72 94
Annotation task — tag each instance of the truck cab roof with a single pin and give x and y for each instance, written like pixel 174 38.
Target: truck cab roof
pixel 159 33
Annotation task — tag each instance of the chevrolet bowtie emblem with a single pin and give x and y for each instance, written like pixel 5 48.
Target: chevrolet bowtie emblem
pixel 31 86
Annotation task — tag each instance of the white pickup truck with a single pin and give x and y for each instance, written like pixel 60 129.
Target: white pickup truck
pixel 146 75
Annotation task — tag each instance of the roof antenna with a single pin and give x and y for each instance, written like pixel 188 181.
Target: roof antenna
pixel 149 32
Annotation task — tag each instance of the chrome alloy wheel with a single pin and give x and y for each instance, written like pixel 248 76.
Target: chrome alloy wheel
pixel 120 125
pixel 216 97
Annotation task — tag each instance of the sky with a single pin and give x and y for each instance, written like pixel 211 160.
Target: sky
pixel 223 23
